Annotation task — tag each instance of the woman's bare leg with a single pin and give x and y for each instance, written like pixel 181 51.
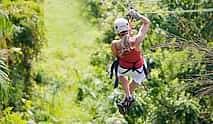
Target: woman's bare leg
pixel 125 85
pixel 132 86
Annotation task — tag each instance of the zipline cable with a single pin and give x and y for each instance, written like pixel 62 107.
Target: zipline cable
pixel 169 12
pixel 180 11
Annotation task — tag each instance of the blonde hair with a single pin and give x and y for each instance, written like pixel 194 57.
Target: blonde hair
pixel 125 45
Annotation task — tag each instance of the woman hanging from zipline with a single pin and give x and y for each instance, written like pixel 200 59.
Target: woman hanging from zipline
pixel 128 52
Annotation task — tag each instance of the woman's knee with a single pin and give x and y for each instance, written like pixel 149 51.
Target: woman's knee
pixel 123 79
pixel 133 85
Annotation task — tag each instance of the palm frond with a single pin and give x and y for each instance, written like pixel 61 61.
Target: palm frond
pixel 6 26
pixel 4 82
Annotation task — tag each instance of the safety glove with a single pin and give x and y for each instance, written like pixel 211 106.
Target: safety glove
pixel 134 14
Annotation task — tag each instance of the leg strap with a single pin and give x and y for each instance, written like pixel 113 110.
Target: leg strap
pixel 114 67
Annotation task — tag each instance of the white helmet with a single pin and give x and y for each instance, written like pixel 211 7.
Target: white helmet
pixel 121 24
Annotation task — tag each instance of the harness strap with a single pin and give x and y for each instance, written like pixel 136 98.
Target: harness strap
pixel 133 68
pixel 125 71
pixel 114 66
pixel 139 71
pixel 146 72
pixel 111 69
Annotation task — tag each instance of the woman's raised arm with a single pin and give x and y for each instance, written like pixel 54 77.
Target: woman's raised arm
pixel 144 28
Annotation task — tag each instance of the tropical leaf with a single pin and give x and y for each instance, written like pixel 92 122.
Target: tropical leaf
pixel 5 25
pixel 4 83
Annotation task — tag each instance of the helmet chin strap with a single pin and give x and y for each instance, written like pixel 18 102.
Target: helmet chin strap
pixel 123 34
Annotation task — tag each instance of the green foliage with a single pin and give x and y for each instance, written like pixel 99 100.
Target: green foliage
pixel 21 37
pixel 27 23
pixel 198 27
pixel 94 10
pixel 29 30
pixel 108 36
pixel 14 118
pixel 102 57
pixel 6 29
pixel 5 85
